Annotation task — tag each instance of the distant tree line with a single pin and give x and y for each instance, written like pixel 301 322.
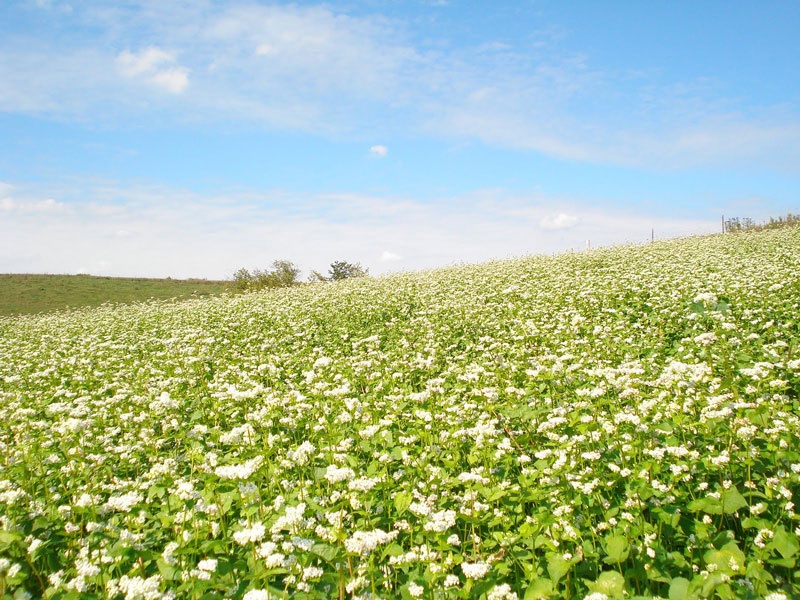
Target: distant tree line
pixel 737 224
pixel 284 273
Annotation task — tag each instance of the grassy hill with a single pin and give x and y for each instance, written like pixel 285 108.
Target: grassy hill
pixel 616 424
pixel 30 294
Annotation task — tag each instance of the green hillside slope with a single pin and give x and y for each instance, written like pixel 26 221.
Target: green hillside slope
pixel 616 423
pixel 30 294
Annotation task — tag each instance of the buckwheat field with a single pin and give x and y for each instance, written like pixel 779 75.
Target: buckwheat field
pixel 609 424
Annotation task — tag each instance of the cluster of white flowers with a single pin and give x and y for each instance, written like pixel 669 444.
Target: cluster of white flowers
pixel 336 474
pixel 502 592
pixel 302 453
pixel 242 471
pixel 243 434
pixel 476 570
pixel 440 521
pixel 292 519
pixel 124 502
pixel 138 588
pixel 418 424
pixel 248 535
pixel 364 542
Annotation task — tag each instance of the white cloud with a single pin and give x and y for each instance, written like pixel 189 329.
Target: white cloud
pixel 156 66
pixel 146 62
pixel 559 221
pixel 120 228
pixel 266 49
pixel 380 151
pixel 23 206
pixel 387 256
pixel 173 80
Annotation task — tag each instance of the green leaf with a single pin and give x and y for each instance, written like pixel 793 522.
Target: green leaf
pixel 156 491
pixel 710 506
pixel 732 500
pixel 324 551
pixel 785 543
pixel 539 589
pixel 9 537
pixel 679 589
pixel 610 583
pixel 393 549
pixel 786 563
pixel 617 549
pixel 557 567
pixel 728 559
pixel 167 571
pixel 712 583
pixel 402 500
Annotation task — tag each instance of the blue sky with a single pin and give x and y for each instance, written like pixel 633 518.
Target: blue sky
pixel 191 138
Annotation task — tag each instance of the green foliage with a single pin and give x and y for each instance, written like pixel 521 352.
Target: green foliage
pixel 243 280
pixel 317 277
pixel 736 224
pixel 284 273
pixel 341 269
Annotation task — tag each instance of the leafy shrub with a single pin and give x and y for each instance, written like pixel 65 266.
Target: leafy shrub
pixel 284 273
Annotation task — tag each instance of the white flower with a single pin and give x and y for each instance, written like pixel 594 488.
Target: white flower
pixel 419 509
pixel 335 474
pixel 312 573
pixel 477 570
pixel 209 565
pixel 138 588
pixel 762 536
pixel 243 471
pixel 125 502
pixel 292 519
pixel 364 542
pixel 705 339
pixel 169 553
pixel 708 297
pixel 501 592
pixel 256 595
pixel 250 534
pixel 440 521
pixel 415 590
pixel 363 484
pixel 302 453
pixel 244 434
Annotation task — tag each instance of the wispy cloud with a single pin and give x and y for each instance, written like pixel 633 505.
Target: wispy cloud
pixel 12 204
pixel 559 221
pixel 126 228
pixel 323 70
pixel 155 66
pixel 379 151
pixel 387 256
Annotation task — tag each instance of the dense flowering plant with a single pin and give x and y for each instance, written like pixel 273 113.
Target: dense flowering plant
pixel 611 424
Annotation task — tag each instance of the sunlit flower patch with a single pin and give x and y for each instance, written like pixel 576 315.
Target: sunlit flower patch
pixel 608 424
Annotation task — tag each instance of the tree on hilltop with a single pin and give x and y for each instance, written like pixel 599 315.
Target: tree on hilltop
pixel 284 273
pixel 341 269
